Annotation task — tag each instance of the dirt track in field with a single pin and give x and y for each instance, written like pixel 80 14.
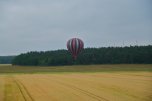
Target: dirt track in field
pixel 116 86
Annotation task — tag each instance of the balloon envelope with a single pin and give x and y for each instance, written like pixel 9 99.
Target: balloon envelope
pixel 75 45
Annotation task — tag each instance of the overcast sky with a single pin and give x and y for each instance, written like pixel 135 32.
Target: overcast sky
pixel 41 25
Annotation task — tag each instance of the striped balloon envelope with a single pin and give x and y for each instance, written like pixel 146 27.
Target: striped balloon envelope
pixel 75 45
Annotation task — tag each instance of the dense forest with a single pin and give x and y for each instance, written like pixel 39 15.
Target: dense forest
pixel 104 55
pixel 6 59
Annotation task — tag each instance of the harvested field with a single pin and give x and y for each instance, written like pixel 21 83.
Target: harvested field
pixel 101 86
pixel 2 88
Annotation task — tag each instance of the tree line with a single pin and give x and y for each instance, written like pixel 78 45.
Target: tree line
pixel 6 59
pixel 103 55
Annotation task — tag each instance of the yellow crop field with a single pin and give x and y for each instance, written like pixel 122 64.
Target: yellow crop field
pixel 98 86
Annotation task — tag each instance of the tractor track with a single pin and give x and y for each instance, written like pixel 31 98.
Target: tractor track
pixel 99 98
pixel 94 96
pixel 22 89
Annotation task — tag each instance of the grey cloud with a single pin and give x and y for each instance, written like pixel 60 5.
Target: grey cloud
pixel 27 25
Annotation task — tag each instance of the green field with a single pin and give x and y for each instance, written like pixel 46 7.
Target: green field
pixel 80 68
pixel 76 83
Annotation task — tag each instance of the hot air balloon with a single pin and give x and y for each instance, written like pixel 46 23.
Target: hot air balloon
pixel 75 45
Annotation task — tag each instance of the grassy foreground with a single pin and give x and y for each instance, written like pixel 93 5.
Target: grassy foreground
pixel 76 83
pixel 82 68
